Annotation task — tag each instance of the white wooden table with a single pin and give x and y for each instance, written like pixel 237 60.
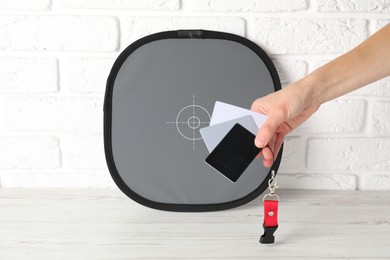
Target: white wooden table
pixel 104 224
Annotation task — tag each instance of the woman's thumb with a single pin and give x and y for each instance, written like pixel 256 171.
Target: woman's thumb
pixel 267 130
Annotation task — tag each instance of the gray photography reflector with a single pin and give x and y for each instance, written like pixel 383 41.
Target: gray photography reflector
pixel 160 92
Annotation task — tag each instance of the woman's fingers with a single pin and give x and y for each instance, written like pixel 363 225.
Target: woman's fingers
pixel 268 130
pixel 283 130
pixel 267 153
pixel 267 157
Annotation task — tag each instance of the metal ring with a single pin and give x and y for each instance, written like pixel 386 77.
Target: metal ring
pixel 271 195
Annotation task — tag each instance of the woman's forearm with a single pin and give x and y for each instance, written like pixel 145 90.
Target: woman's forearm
pixel 368 62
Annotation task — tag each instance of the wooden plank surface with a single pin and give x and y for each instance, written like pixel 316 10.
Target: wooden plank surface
pixel 105 224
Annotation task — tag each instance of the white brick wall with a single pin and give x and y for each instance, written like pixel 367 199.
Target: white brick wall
pixel 28 75
pixel 55 56
pixel 249 5
pixel 336 116
pixel 137 27
pixel 27 5
pixel 83 152
pixel 29 152
pixel 346 154
pixel 310 36
pixel 379 119
pixel 378 6
pixel 85 75
pixel 58 33
pixel 122 4
pixel 290 70
pixel 63 114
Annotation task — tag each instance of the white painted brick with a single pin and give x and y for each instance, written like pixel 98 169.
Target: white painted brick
pixel 375 182
pixel 83 152
pixel 52 114
pixel 88 75
pixel 308 36
pixel 26 152
pixel 290 70
pixel 337 116
pixel 58 33
pixel 328 154
pixel 293 158
pixel 122 4
pixel 318 63
pixel 134 28
pixel 28 75
pixel 317 181
pixel 249 5
pixel 25 4
pixel 380 24
pixel 371 6
pixel 379 118
pixel 56 180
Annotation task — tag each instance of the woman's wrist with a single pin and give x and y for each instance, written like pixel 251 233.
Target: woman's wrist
pixel 313 88
pixel 308 90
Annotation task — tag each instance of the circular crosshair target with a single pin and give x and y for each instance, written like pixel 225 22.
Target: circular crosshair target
pixel 190 119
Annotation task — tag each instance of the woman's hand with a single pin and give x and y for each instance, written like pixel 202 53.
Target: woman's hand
pixel 286 110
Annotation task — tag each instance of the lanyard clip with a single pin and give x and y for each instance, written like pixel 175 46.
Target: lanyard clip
pixel 270 223
pixel 272 186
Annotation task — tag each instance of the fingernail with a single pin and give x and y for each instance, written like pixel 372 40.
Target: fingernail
pixel 260 142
